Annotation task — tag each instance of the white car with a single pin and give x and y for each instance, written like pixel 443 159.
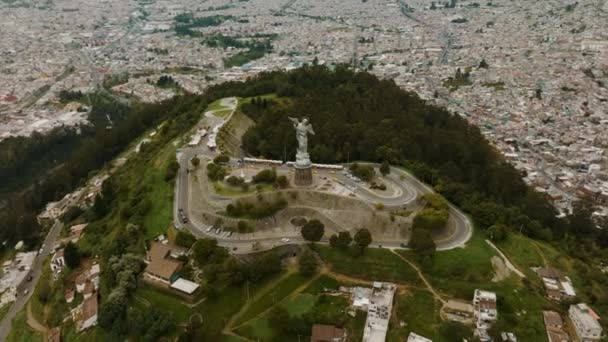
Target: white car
pixel 229 234
pixel 209 229
pixel 285 240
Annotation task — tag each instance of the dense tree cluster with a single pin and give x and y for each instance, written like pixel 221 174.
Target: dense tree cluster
pixel 166 81
pixel 184 239
pixel 340 240
pixel 121 276
pixel 434 216
pixel 358 116
pixel 365 172
pixel 186 22
pixel 308 263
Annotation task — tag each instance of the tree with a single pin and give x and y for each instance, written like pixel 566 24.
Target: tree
pixel 221 159
pixel 235 181
pixel 171 171
pixel 483 64
pixel 71 255
pixel 344 239
pixel 313 230
pixel 333 241
pixel 385 168
pixel 195 161
pixel 363 238
pixel 308 263
pixel 44 290
pixel 184 239
pixel 282 181
pixel 265 176
pixel 497 232
pixel 423 246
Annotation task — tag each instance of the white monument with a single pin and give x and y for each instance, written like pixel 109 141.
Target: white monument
pixel 302 165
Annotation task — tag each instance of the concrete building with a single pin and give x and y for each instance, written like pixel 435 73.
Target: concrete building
pixel 556 285
pixel 379 312
pixel 485 313
pixel 585 323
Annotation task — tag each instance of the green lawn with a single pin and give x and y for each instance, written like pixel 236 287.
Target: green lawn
pixel 375 264
pixel 321 283
pixel 4 310
pixel 459 271
pixel 160 194
pixel 326 309
pixel 521 252
pixel 273 296
pixel 215 105
pixel 258 330
pixel 224 190
pixel 20 332
pixel 94 334
pixel 420 312
pixel 217 310
pixel 161 300
pixel 300 304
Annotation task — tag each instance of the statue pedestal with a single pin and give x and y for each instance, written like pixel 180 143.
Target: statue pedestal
pixel 303 175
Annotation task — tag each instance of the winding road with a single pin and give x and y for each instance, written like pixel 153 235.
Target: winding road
pixel 410 188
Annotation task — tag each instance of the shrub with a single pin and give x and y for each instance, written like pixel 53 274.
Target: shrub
pixel 265 176
pixel 235 181
pixel 221 159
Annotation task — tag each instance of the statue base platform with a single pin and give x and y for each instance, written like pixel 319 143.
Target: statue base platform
pixel 303 176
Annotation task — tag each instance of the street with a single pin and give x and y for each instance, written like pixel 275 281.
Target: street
pixel 22 299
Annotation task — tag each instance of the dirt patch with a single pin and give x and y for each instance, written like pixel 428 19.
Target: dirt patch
pixel 501 271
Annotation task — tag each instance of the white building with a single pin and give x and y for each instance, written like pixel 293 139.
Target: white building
pixel 58 261
pixel 379 312
pixel 585 322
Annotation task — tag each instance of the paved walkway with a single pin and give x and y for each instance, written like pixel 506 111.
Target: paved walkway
pixel 507 262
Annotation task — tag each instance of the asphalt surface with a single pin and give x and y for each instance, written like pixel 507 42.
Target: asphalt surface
pixel 19 304
pixel 410 186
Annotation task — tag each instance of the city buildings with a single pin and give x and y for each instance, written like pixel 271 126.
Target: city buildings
pixel 540 95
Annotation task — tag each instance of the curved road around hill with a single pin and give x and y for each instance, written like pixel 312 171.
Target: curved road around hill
pixel 410 187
